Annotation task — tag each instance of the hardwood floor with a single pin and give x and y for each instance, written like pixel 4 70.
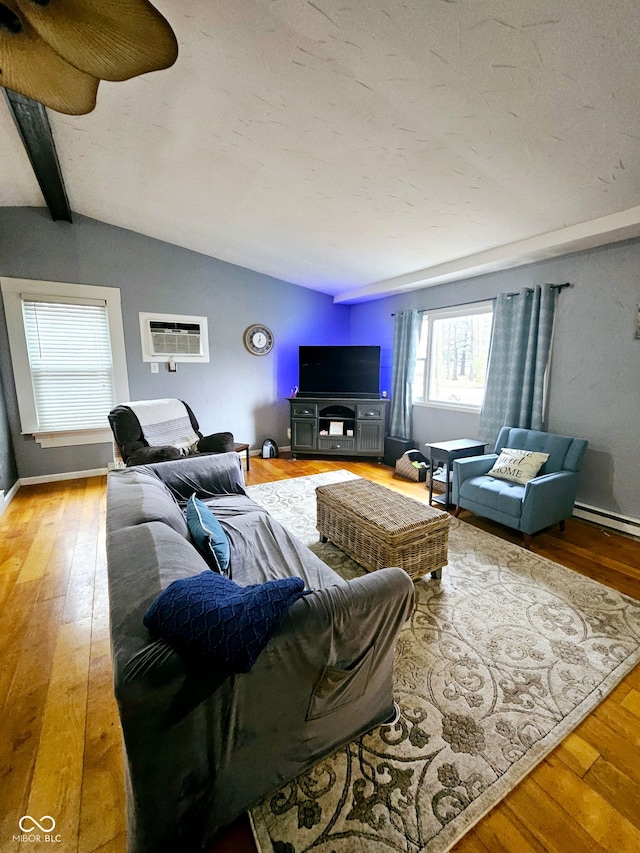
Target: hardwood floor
pixel 60 751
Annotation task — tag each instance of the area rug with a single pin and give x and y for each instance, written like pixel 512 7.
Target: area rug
pixel 501 660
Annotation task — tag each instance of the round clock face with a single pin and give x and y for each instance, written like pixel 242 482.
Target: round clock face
pixel 258 340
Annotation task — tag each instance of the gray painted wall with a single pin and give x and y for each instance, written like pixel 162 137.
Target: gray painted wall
pixel 8 469
pixel 594 384
pixel 235 391
pixel 594 388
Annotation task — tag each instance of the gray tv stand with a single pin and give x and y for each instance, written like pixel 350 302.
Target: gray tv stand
pixel 335 426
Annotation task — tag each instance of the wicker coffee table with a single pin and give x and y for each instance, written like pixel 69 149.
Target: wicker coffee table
pixel 378 527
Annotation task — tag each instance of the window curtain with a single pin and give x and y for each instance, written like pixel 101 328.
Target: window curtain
pixel 518 360
pixel 405 349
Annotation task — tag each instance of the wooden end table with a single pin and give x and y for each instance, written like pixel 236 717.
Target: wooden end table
pixel 445 452
pixel 239 448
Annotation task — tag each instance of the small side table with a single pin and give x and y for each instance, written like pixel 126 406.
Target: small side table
pixel 242 447
pixel 445 452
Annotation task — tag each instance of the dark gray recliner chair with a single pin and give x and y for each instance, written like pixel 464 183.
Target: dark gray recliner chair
pixel 135 443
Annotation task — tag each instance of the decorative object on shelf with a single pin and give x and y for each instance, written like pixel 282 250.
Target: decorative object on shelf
pixel 258 339
pixel 57 53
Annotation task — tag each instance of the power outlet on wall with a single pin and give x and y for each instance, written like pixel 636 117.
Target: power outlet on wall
pixel 154 366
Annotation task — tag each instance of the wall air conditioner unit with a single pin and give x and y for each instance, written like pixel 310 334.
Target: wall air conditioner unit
pixel 174 337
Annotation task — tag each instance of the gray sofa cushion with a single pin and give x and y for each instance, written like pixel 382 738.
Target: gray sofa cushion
pixel 207 476
pixel 263 550
pixel 138 497
pixel 143 559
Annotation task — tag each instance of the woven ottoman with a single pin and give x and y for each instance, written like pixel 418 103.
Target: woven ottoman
pixel 378 527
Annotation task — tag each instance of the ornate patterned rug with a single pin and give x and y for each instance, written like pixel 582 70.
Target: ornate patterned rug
pixel 501 660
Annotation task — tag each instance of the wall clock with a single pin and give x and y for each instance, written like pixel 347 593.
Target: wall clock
pixel 258 339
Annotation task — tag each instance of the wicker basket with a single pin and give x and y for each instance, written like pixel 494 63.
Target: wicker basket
pixel 378 527
pixel 438 485
pixel 406 468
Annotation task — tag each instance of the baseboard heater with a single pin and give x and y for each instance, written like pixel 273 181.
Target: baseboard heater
pixel 606 518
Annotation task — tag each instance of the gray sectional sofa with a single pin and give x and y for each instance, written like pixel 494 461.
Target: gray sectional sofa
pixel 202 744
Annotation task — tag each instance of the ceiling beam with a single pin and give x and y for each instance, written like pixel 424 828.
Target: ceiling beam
pixel 33 126
pixel 613 228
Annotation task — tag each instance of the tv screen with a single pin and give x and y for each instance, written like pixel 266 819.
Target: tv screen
pixel 339 371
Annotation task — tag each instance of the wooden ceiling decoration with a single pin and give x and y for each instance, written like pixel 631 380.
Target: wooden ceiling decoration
pixel 57 51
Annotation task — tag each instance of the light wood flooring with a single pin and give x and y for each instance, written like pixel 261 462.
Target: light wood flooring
pixel 60 751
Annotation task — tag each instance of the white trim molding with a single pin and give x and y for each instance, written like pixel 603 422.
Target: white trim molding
pixel 71 438
pixel 613 228
pixel 12 291
pixel 606 518
pixel 6 498
pixel 69 475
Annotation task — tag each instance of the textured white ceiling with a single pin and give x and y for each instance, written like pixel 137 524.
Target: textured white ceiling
pixel 339 145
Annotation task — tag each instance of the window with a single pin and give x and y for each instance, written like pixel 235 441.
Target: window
pixel 70 360
pixel 452 357
pixel 67 348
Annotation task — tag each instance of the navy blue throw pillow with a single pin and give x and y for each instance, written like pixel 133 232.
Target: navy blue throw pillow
pixel 207 533
pixel 211 617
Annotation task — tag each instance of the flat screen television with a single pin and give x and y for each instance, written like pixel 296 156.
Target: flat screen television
pixel 339 371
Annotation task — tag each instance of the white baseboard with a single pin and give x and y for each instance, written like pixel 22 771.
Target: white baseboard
pixel 6 498
pixel 70 475
pixel 258 450
pixel 606 518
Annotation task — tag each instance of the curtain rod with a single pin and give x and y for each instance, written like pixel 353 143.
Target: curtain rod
pixel 475 301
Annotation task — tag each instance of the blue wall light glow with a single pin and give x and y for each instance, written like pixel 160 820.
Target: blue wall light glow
pixel 319 322
pixel 370 325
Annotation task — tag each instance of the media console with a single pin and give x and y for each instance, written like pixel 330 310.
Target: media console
pixel 337 426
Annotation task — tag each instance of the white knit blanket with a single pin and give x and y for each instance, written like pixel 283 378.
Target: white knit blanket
pixel 165 421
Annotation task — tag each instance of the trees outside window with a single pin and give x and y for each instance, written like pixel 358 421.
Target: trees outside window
pixel 452 356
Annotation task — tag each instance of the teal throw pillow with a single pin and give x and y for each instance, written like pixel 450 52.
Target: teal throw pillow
pixel 207 533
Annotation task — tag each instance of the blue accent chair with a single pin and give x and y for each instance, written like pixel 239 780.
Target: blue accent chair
pixel 547 499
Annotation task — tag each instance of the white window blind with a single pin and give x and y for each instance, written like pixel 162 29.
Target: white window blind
pixel 70 359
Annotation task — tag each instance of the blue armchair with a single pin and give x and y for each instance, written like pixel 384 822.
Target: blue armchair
pixel 531 507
